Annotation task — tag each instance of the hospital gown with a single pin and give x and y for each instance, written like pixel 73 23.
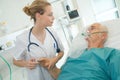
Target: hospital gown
pixel 93 64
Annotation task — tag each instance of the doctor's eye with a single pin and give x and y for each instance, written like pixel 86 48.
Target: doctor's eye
pixel 51 14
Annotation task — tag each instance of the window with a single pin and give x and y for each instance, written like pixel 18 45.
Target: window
pixel 105 9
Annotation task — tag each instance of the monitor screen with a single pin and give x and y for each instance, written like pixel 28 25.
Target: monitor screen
pixel 73 14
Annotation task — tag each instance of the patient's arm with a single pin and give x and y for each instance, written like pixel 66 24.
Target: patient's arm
pixel 115 65
pixel 54 72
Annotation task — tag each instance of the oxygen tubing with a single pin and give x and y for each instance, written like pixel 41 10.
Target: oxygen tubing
pixel 10 70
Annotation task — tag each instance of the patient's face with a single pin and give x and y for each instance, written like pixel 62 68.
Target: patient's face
pixel 94 32
pixel 94 29
pixel 96 35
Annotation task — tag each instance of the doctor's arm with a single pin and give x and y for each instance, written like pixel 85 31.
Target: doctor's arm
pixel 58 57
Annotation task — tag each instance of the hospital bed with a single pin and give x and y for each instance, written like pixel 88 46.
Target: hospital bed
pixel 79 43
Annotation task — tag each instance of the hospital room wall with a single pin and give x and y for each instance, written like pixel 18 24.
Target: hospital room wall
pixel 86 11
pixel 12 14
pixel 84 7
pixel 89 15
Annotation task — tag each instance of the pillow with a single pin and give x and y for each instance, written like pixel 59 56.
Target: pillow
pixel 79 44
pixel 113 33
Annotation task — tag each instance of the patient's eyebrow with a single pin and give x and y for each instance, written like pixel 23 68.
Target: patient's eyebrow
pixel 92 27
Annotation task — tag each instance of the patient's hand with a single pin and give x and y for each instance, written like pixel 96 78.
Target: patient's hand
pixel 47 62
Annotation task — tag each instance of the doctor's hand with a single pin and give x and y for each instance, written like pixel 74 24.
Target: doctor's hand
pixel 48 63
pixel 31 64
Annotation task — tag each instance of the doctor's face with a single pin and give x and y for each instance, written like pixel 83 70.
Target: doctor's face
pixel 47 18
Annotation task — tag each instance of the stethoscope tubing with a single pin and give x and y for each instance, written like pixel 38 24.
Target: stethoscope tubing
pixel 32 43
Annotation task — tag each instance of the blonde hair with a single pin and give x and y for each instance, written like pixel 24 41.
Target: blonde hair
pixel 37 6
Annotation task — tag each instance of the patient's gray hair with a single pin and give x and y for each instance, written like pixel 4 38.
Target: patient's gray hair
pixel 103 28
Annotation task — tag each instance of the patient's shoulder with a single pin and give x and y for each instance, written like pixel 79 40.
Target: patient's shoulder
pixel 113 52
pixel 114 49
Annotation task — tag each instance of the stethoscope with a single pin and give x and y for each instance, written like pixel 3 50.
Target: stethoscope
pixel 33 43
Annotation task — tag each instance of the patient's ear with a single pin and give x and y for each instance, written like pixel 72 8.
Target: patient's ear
pixel 105 36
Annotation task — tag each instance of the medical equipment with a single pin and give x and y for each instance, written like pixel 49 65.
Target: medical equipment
pixel 87 34
pixel 7 63
pixel 32 43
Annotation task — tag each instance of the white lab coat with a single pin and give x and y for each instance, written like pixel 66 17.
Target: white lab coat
pixel 45 50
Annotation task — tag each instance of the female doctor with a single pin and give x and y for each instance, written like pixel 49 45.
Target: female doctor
pixel 39 43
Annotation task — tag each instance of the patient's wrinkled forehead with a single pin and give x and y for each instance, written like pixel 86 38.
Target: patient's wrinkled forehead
pixel 95 26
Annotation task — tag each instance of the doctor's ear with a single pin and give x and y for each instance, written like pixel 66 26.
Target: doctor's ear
pixel 41 12
pixel 37 15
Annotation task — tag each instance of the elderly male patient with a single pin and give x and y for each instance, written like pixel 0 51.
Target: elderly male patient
pixel 95 63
